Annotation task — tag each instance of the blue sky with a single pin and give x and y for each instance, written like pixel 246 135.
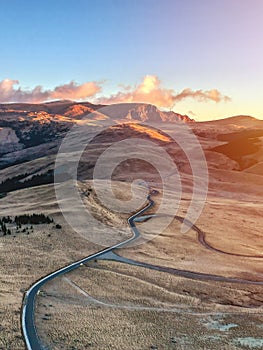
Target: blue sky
pixel 196 44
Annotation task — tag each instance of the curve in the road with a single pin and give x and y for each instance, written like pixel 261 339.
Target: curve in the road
pixel 182 273
pixel 202 240
pixel 28 315
pixel 201 237
pixel 29 331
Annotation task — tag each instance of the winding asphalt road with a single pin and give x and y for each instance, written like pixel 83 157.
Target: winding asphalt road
pixel 28 309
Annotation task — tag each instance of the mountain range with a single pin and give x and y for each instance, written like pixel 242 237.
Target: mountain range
pixel 30 135
pixel 30 126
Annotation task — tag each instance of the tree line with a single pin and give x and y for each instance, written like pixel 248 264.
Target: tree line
pixel 18 182
pixel 32 219
pixel 25 219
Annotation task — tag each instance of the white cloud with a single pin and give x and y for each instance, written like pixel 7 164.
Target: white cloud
pixel 11 92
pixel 151 91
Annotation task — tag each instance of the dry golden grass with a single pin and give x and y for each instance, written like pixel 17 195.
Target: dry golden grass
pixel 232 221
pixel 191 317
pixel 77 322
pixel 26 258
pixel 232 226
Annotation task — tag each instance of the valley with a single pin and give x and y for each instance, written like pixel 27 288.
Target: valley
pixel 107 303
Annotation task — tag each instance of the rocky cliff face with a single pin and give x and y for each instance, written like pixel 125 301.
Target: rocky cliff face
pixel 146 112
pixel 30 135
pixel 70 111
pixel 9 142
pixel 24 126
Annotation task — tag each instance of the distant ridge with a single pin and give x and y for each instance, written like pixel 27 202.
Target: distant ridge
pixel 54 107
pixel 144 112
pixel 71 109
pixel 242 120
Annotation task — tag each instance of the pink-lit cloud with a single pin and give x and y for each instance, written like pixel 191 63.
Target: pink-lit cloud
pixel 151 91
pixel 200 95
pixel 10 91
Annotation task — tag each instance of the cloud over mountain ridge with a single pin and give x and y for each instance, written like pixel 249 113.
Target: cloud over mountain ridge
pixel 150 90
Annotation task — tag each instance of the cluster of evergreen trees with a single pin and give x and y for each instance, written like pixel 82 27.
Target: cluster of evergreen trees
pixel 32 219
pixel 18 182
pixel 25 219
